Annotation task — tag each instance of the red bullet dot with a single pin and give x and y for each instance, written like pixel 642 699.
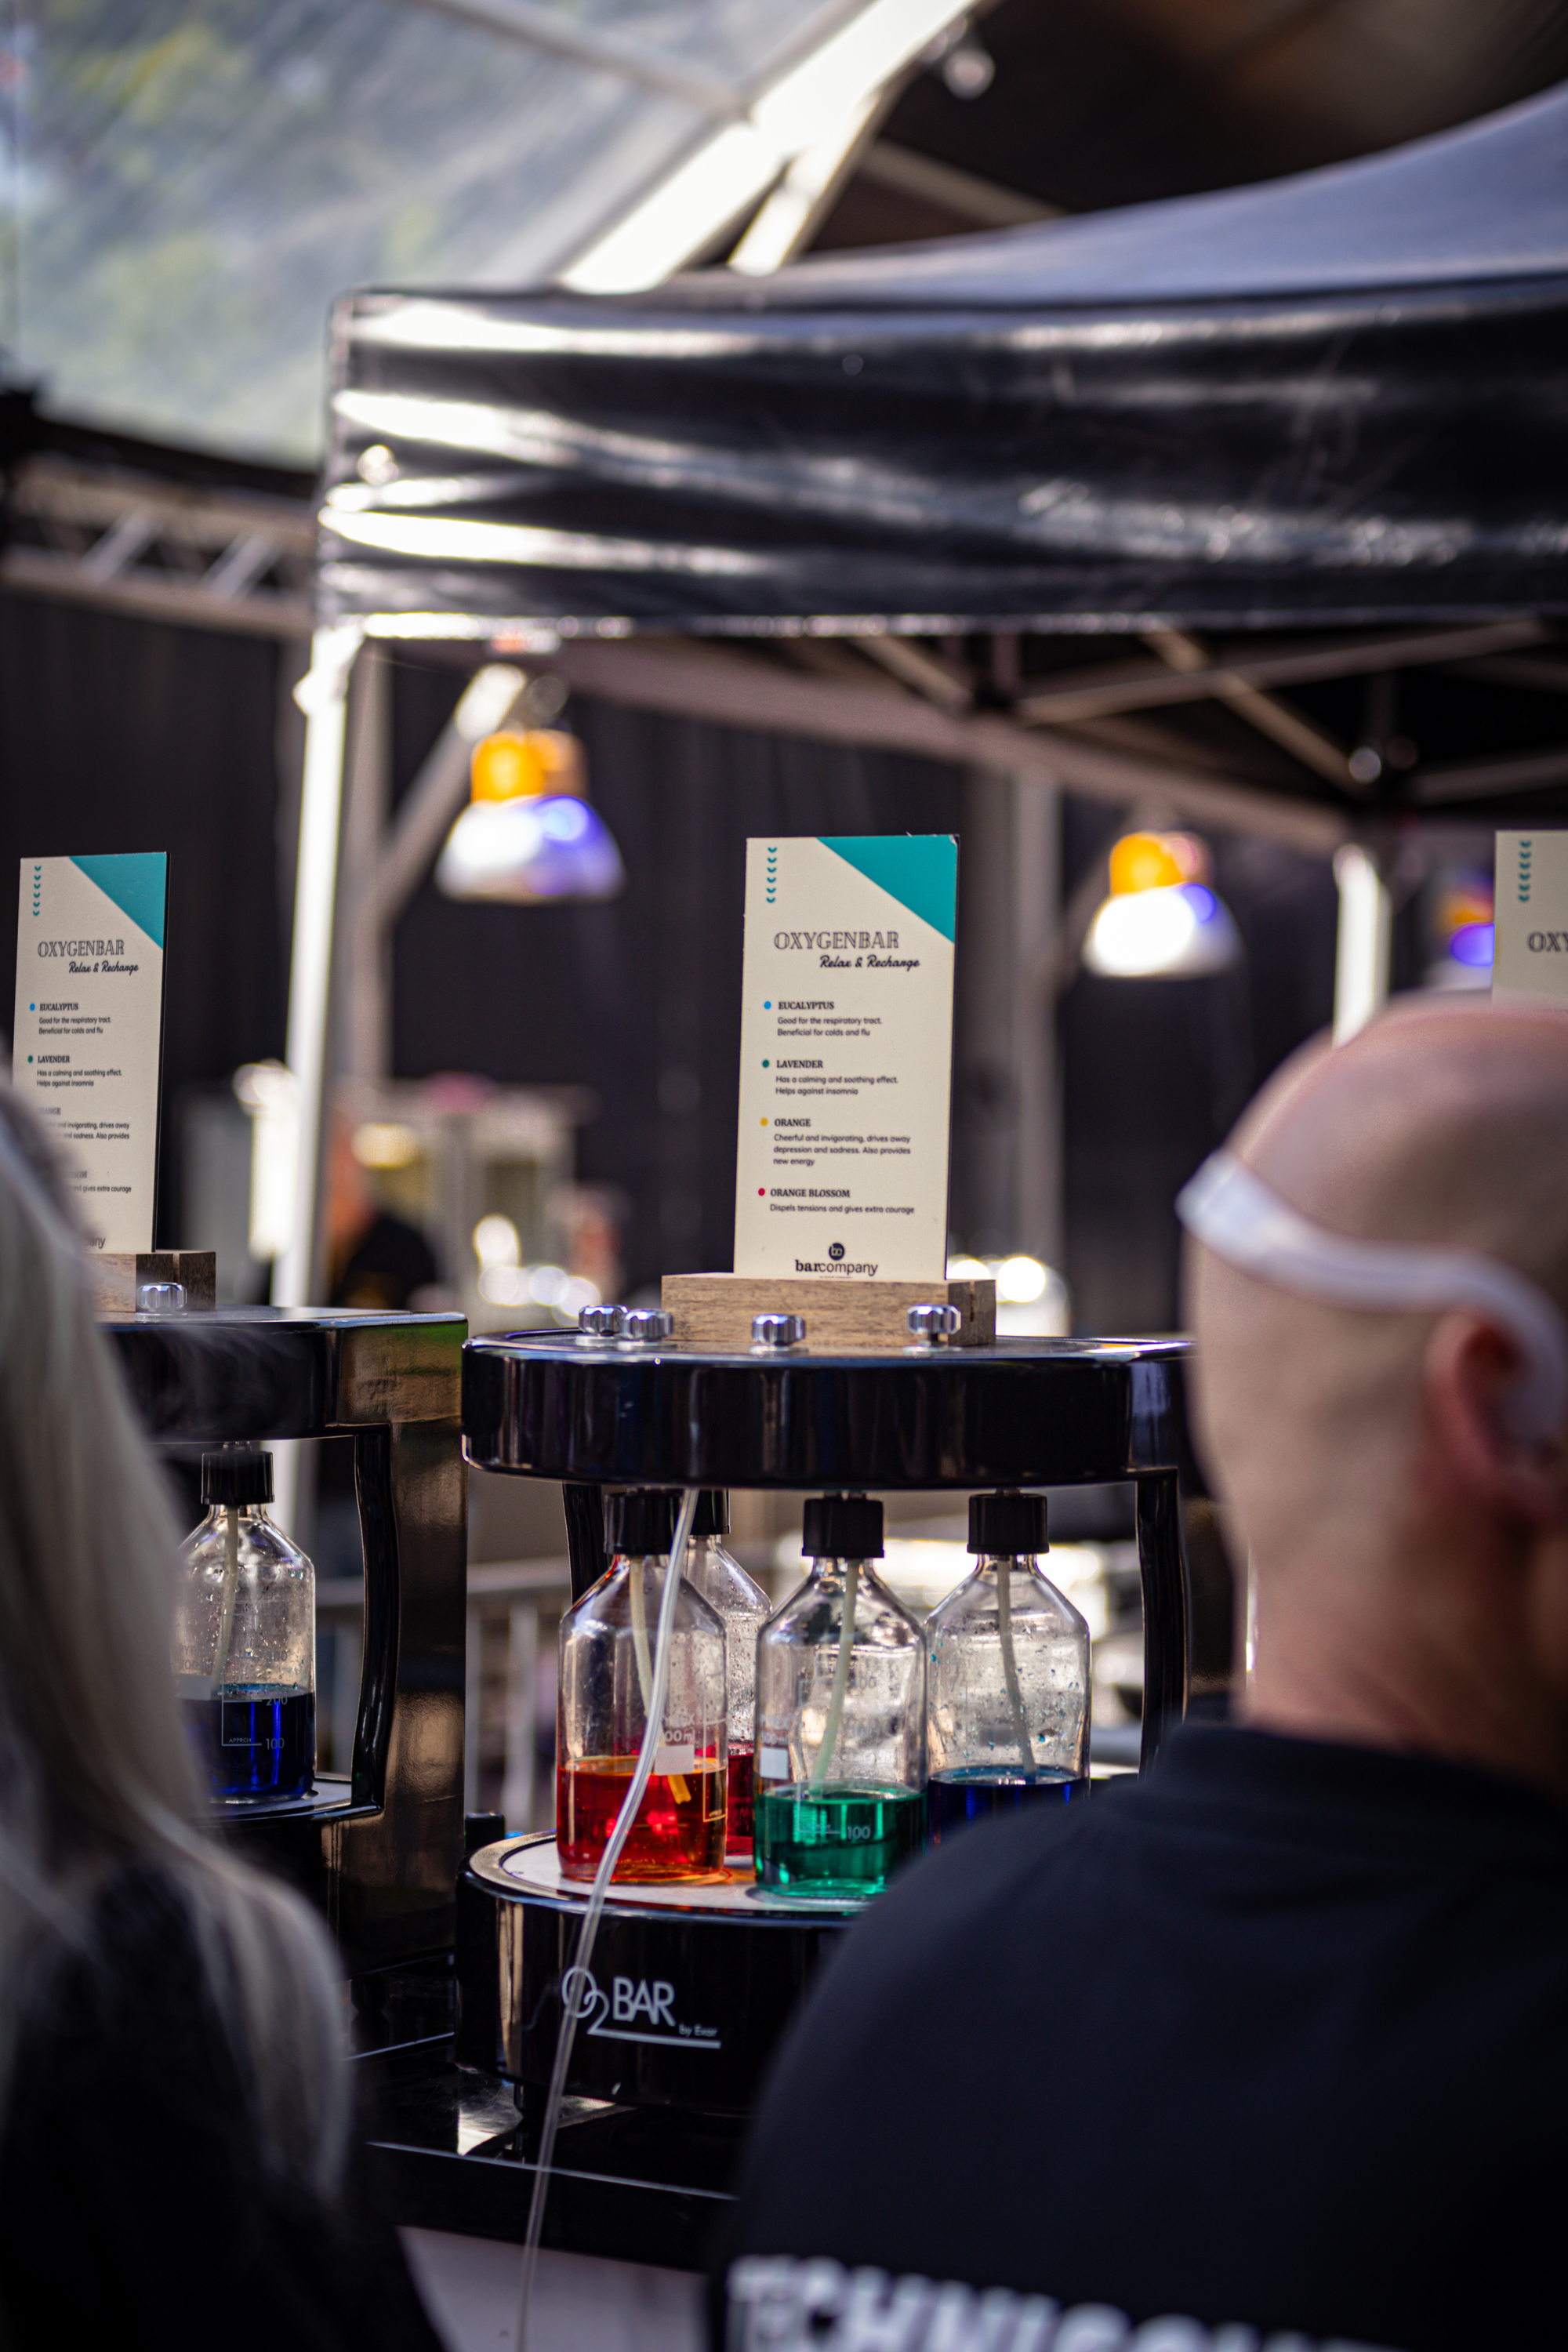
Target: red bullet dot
pixel 762 1192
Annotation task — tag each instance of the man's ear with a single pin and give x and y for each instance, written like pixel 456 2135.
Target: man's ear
pixel 1469 1377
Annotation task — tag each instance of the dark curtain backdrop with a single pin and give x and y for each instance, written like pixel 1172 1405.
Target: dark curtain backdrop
pixel 121 734
pixel 1155 1071
pixel 638 1000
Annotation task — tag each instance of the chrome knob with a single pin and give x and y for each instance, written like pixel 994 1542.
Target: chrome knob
pixel 934 1325
pixel 160 1298
pixel 771 1331
pixel 598 1322
pixel 645 1327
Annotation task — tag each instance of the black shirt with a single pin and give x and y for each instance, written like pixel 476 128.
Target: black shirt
pixel 134 2203
pixel 1275 2037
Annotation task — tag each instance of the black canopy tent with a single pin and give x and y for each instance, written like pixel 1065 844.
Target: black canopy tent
pixel 1339 396
pixel 1333 403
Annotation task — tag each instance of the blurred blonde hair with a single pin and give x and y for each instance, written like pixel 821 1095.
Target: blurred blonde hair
pixel 95 1772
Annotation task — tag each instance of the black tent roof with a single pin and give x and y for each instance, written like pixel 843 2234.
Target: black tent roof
pixel 1485 203
pixel 1336 396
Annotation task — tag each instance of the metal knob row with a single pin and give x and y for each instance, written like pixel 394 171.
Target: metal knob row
pixel 642 1326
pixel 637 1327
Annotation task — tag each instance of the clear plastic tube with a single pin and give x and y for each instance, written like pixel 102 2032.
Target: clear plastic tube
pixel 230 1592
pixel 824 1764
pixel 652 1733
pixel 638 1599
pixel 1010 1662
pixel 636 1591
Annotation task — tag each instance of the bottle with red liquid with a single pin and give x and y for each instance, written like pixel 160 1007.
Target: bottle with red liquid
pixel 607 1642
pixel 743 1609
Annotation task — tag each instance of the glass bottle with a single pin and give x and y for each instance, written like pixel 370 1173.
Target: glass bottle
pixel 1007 1676
pixel 743 1609
pixel 607 1642
pixel 840 1717
pixel 245 1638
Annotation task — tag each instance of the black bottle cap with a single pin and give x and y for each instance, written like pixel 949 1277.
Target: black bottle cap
pixel 843 1527
pixel 639 1519
pixel 712 1513
pixel 481 1829
pixel 1002 1526
pixel 238 1478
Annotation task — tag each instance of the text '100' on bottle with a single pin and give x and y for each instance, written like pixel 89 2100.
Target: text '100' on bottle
pixel 1008 1659
pixel 607 1656
pixel 840 1717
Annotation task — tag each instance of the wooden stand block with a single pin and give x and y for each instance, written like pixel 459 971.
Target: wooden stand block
pixel 852 1317
pixel 118 1275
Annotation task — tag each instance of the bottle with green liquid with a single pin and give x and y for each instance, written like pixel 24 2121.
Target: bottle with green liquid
pixel 841 1708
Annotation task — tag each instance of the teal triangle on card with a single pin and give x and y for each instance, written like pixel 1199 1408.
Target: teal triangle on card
pixel 138 886
pixel 919 869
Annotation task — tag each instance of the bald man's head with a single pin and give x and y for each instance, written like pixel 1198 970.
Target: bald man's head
pixel 1443 1126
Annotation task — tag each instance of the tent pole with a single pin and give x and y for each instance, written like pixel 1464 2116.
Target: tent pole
pixel 361 981
pixel 1360 957
pixel 323 694
pixel 1037 945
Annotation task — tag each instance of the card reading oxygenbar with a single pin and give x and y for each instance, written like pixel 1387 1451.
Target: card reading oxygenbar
pixel 846 1056
pixel 89 1036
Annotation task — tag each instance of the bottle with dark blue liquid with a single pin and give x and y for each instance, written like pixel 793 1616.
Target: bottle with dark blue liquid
pixel 245 1639
pixel 1007 1679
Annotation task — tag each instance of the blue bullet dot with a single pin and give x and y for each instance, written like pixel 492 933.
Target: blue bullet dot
pixel 767 1005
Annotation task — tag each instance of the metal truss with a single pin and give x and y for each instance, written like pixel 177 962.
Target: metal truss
pixel 128 542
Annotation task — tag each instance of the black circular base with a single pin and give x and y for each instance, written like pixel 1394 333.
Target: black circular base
pixel 686 1993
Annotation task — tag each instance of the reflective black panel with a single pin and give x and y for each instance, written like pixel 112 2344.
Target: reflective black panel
pixel 1333 395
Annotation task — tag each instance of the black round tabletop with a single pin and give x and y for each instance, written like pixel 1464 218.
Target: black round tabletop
pixel 1021 1412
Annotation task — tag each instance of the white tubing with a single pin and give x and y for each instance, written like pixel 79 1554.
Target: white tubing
pixel 225 1620
pixel 638 1599
pixel 823 1765
pixel 653 1733
pixel 1235 1215
pixel 1010 1662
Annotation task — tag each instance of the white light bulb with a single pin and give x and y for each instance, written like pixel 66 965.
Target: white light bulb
pixel 1176 933
pixel 497 1241
pixel 1020 1280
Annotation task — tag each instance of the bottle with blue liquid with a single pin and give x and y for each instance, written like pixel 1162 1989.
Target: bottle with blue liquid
pixel 1007 1677
pixel 245 1638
